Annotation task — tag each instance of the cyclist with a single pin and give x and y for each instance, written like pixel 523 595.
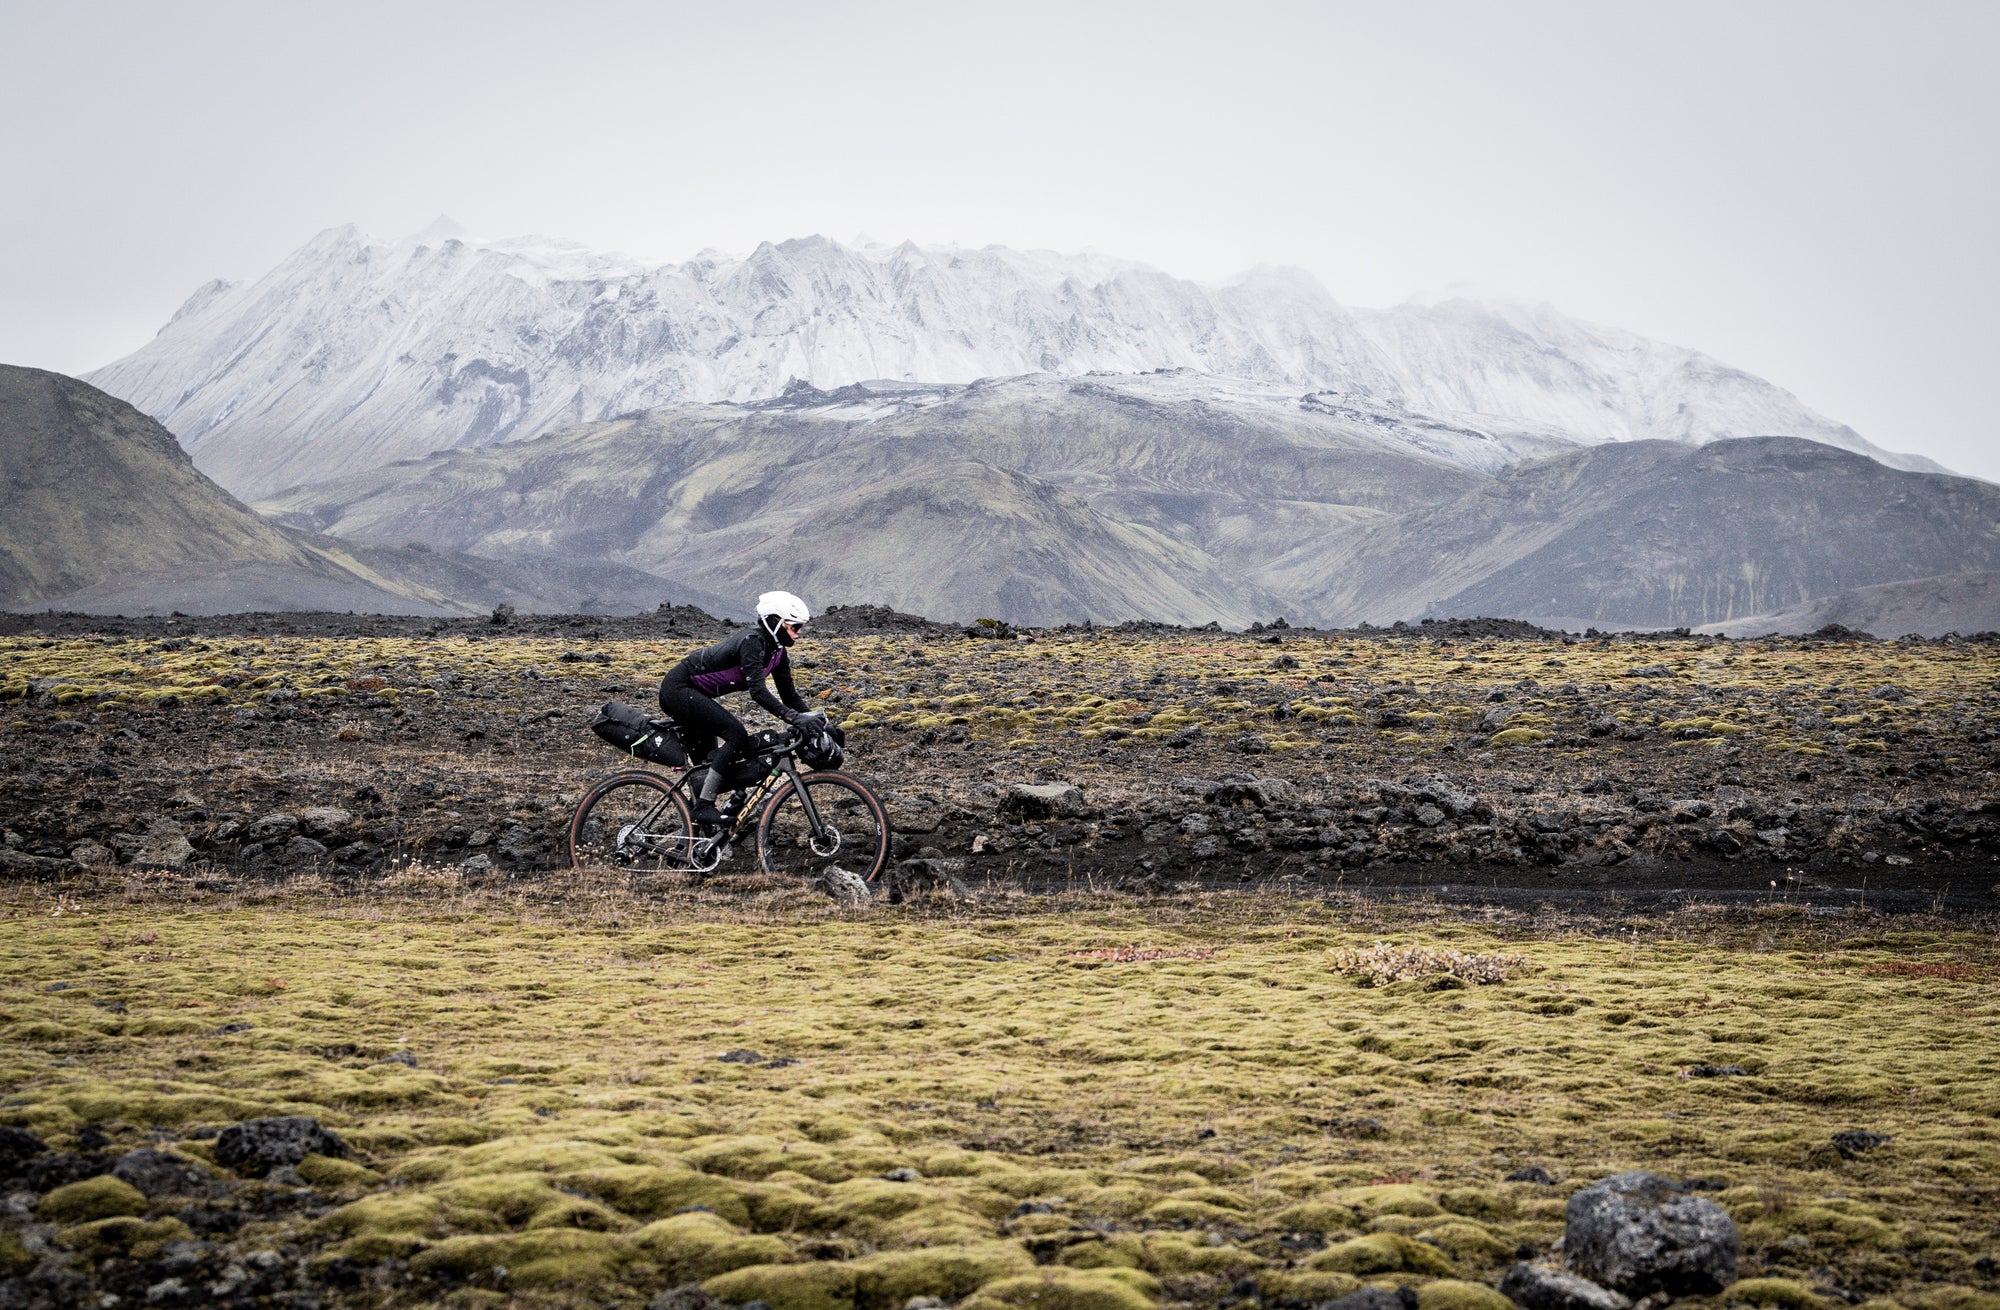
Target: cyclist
pixel 688 692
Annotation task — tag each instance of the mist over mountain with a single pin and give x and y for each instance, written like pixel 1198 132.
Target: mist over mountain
pixel 353 353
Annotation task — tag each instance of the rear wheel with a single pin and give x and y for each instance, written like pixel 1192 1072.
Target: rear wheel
pixel 852 833
pixel 635 822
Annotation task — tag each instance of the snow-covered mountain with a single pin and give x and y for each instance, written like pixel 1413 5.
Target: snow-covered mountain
pixel 353 353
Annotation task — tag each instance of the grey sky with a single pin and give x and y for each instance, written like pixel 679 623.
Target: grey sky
pixel 1807 191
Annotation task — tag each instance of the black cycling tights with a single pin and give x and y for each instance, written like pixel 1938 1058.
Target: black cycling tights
pixel 701 721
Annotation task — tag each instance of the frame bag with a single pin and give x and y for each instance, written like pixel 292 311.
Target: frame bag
pixel 628 728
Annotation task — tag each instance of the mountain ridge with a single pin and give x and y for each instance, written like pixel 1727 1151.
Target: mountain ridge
pixel 352 353
pixel 1197 499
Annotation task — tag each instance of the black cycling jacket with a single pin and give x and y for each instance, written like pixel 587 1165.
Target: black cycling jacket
pixel 743 660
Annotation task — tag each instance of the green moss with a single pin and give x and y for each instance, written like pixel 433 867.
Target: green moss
pixel 454 1132
pixel 1118 1251
pixel 960 1164
pixel 1174 1255
pixel 1121 1200
pixel 774 1207
pixel 123 1235
pixel 1058 1287
pixel 513 1199
pixel 1467 1241
pixel 333 1175
pixel 579 1212
pixel 1782 1292
pixel 1826 1227
pixel 517 1155
pixel 93 1198
pixel 748 1157
pixel 565 1258
pixel 1477 1202
pixel 649 1191
pixel 1191 1212
pixel 877 1198
pixel 818 1285
pixel 1308 1286
pixel 1454 1294
pixel 1517 737
pixel 1381 1253
pixel 695 1246
pixel 1220 1197
pixel 1388 1198
pixel 1951 1296
pixel 14 1257
pixel 887 1280
pixel 947 1223
pixel 1317 1217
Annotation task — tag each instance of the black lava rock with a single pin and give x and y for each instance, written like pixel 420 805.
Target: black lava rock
pixel 1639 1233
pixel 17 1147
pixel 257 1146
pixel 1537 1287
pixel 1857 1141
pixel 1374 1298
pixel 161 1173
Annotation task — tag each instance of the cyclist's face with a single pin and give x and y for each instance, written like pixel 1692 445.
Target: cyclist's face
pixel 794 629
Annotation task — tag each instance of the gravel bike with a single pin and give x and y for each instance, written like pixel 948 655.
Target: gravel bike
pixel 816 824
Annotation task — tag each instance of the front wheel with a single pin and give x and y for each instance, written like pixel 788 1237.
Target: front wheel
pixel 633 821
pixel 852 831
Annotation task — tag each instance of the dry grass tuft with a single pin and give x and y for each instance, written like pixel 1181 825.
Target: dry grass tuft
pixel 1385 963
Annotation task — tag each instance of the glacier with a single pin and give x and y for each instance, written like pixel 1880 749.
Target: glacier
pixel 354 353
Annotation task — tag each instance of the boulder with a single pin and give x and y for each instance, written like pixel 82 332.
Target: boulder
pixel 1538 1287
pixel 165 847
pixel 272 827
pixel 323 821
pixel 161 1173
pixel 1638 1233
pixel 1438 790
pixel 1042 800
pixel 257 1146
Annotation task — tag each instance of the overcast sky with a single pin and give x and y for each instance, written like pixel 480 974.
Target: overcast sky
pixel 1807 191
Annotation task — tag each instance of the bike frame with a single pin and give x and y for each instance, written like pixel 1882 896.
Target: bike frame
pixel 783 766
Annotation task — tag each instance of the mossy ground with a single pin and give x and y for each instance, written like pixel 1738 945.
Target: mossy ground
pixel 1215 1115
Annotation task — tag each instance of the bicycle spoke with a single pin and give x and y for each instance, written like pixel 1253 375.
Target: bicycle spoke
pixel 632 822
pixel 844 827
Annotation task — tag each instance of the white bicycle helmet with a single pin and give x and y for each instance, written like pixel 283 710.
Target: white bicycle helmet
pixel 777 608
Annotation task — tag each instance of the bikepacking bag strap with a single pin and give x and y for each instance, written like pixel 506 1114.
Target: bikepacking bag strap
pixel 628 728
